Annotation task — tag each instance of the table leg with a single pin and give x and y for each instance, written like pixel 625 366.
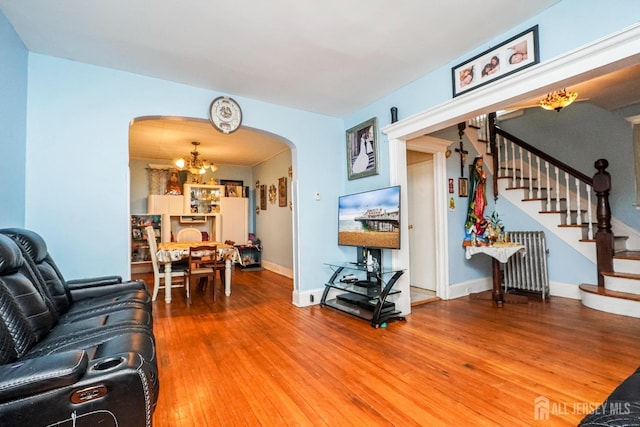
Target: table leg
pixel 167 283
pixel 498 295
pixel 227 277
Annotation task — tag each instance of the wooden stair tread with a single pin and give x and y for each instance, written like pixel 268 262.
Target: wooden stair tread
pixel 633 276
pixel 601 290
pixel 561 211
pixel 627 254
pixel 583 225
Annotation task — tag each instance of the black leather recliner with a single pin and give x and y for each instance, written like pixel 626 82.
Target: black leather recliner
pixel 111 289
pixel 76 373
pixel 621 407
pixel 114 305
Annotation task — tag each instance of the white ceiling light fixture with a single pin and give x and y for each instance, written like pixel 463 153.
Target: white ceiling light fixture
pixel 558 100
pixel 195 165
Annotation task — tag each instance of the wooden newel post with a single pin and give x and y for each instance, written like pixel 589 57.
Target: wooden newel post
pixel 604 236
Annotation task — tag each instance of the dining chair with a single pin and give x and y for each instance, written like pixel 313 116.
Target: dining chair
pixel 179 277
pixel 189 235
pixel 203 263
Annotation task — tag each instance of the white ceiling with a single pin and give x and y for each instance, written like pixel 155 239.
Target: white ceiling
pixel 331 57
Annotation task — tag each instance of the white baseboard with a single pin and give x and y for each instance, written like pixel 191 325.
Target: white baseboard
pixel 308 297
pixel 459 290
pixel 564 290
pixel 276 268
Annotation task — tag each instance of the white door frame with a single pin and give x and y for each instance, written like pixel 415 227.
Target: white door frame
pixel 601 57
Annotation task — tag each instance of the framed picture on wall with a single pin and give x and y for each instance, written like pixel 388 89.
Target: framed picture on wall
pixel 263 197
pixel 510 56
pixel 462 187
pixel 362 150
pixel 231 187
pixel 282 191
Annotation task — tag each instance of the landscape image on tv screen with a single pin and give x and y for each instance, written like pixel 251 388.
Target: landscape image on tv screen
pixel 370 219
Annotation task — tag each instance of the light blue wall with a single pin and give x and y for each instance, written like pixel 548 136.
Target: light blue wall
pixel 82 112
pixel 13 119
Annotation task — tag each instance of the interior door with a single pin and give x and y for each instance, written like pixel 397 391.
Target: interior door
pixel 421 224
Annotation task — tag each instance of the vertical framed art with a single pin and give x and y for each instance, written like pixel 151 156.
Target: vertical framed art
pixel 362 150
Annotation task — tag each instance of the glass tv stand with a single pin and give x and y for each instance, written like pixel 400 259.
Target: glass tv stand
pixel 364 292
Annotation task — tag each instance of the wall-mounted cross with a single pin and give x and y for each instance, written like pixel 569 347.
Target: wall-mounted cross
pixel 463 153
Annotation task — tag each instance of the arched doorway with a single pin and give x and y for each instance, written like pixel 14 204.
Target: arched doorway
pixel 157 141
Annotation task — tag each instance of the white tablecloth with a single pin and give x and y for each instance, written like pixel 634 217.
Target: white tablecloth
pixel 169 252
pixel 502 253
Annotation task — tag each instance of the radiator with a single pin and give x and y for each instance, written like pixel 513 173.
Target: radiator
pixel 528 273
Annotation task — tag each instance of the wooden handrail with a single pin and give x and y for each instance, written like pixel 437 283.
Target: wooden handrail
pixel 600 183
pixel 544 156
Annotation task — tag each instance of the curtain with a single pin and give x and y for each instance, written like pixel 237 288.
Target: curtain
pixel 158 180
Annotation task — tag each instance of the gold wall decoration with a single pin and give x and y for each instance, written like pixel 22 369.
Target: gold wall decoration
pixel 272 194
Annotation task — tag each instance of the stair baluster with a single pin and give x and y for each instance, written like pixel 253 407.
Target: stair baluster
pixel 546 168
pixel 530 176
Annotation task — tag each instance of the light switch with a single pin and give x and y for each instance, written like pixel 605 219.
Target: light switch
pixel 318 196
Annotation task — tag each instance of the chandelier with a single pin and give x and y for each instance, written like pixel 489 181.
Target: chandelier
pixel 195 165
pixel 558 99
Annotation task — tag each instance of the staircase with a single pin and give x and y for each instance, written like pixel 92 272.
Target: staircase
pixel 563 200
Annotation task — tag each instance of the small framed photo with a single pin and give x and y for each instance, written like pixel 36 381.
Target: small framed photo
pixel 462 187
pixel 362 150
pixel 510 56
pixel 231 187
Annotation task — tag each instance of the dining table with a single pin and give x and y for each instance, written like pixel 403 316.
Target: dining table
pixel 170 252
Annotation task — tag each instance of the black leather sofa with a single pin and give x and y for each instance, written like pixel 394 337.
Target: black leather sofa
pixel 76 353
pixel 621 408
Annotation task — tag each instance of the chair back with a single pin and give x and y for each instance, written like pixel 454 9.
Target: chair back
pixel 202 258
pixel 153 249
pixel 189 235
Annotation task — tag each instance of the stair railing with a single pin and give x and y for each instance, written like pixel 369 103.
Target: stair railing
pixel 562 188
pixel 555 183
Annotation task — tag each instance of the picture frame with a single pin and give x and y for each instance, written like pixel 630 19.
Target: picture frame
pixel 362 149
pixel 282 191
pixel 263 197
pixel 231 187
pixel 463 185
pixel 515 54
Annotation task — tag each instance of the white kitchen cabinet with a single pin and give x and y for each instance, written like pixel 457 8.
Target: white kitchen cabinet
pixel 234 215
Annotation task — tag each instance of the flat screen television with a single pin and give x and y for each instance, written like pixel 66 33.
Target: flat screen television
pixel 370 219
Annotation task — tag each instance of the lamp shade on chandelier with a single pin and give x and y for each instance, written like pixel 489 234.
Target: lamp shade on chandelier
pixel 558 100
pixel 193 164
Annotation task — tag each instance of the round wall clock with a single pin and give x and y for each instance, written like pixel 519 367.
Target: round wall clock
pixel 225 114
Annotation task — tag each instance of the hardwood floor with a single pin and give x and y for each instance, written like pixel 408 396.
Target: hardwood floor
pixel 255 359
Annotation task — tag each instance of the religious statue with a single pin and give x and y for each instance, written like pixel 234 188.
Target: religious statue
pixel 476 223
